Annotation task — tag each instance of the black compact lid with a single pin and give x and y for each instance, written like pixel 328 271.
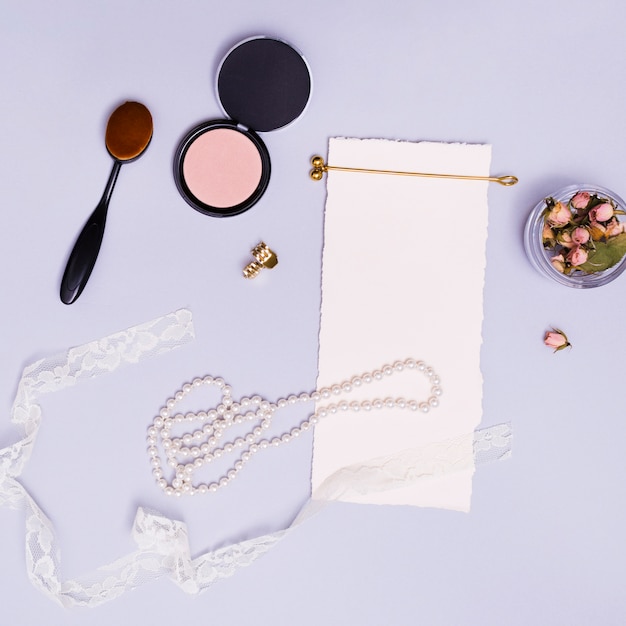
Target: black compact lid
pixel 263 84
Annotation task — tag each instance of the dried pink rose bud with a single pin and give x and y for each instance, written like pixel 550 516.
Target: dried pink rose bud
pixel 565 239
pixel 577 256
pixel 547 235
pixel 614 228
pixel 580 235
pixel 558 263
pixel 601 213
pixel 598 231
pixel 581 200
pixel 559 214
pixel 556 339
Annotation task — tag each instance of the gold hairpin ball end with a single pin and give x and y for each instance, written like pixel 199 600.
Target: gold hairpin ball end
pixel 264 256
pixel 319 167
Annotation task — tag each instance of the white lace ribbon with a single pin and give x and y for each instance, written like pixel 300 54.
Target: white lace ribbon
pixel 162 543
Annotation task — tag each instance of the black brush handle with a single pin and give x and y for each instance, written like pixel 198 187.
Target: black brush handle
pixel 85 252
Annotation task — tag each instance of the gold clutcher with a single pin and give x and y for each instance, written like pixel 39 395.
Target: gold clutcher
pixel 264 257
pixel 319 168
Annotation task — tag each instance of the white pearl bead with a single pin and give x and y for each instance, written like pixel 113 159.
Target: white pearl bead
pixel 366 405
pixel 304 397
pixel 170 403
pixel 186 388
pixel 282 403
pixel 313 419
pixel 436 391
pixel 322 413
pixel 164 413
pixel 219 382
pixel 356 381
pixel 378 375
pixel 199 462
pixel 315 396
pixel 346 387
pixel 286 438
pixel 398 366
pixel 169 491
pixel 162 483
pixel 213 487
pixel 178 396
pixel 424 408
pixel 367 378
pixel 325 393
pixel 196 382
pixel 158 422
pixel 387 370
pixel 275 441
pixel 434 402
pixel 410 363
pixel 295 432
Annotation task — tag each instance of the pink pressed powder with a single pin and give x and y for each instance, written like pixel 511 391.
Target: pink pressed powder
pixel 222 167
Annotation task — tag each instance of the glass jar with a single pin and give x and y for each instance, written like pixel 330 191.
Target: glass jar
pixel 551 251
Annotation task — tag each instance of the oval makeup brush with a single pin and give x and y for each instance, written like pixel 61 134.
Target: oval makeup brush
pixel 128 134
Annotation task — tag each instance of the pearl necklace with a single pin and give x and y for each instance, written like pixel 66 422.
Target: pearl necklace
pixel 193 451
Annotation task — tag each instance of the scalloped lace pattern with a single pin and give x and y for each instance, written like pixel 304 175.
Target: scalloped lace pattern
pixel 162 543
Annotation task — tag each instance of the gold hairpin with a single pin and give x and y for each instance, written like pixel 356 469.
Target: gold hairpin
pixel 319 167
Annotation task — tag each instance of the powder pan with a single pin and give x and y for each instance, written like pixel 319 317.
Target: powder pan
pixel 222 167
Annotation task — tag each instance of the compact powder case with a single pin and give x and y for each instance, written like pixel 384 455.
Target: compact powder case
pixel 222 167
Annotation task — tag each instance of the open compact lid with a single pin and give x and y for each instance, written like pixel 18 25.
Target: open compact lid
pixel 263 84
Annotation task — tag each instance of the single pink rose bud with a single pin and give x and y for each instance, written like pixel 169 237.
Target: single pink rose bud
pixel 556 339
pixel 601 213
pixel 577 256
pixel 547 235
pixel 614 228
pixel 581 200
pixel 558 263
pixel 565 239
pixel 580 235
pixel 559 215
pixel 598 231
